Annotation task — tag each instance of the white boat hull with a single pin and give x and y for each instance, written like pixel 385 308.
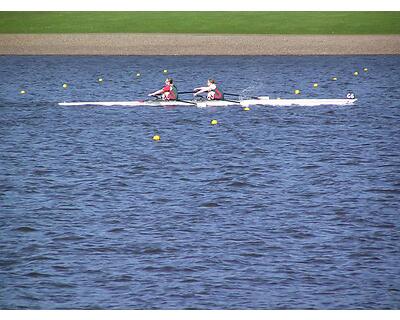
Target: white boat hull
pixel 219 103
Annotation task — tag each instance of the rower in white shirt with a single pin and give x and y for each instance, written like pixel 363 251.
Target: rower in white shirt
pixel 214 93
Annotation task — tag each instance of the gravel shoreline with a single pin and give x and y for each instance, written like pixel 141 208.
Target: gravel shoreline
pixel 196 44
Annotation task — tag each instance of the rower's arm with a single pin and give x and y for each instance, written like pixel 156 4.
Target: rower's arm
pixel 201 90
pixel 156 93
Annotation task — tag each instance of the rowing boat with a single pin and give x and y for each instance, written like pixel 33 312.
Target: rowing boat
pixel 262 101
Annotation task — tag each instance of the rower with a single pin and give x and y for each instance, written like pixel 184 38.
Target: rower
pixel 214 93
pixel 168 92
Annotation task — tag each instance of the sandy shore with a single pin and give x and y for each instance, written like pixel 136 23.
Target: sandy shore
pixel 196 44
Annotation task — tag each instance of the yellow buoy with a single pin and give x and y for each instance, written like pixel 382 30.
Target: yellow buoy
pixel 100 79
pixel 365 69
pixel 315 85
pixel 156 137
pixel 355 73
pixel 297 91
pixel 214 122
pixel 22 92
pixel 65 86
pixel 138 74
pixel 246 109
pixel 334 78
pixel 165 71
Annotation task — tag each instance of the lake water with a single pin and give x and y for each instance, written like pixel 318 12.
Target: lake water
pixel 273 208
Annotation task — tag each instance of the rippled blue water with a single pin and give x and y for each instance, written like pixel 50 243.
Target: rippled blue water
pixel 274 208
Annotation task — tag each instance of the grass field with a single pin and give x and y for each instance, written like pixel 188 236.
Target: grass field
pixel 202 22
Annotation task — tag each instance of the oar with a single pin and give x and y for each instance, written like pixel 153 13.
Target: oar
pixel 202 102
pixel 186 101
pixel 158 97
pixel 232 94
pixel 183 92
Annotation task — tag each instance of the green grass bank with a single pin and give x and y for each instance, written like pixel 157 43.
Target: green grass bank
pixel 338 23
